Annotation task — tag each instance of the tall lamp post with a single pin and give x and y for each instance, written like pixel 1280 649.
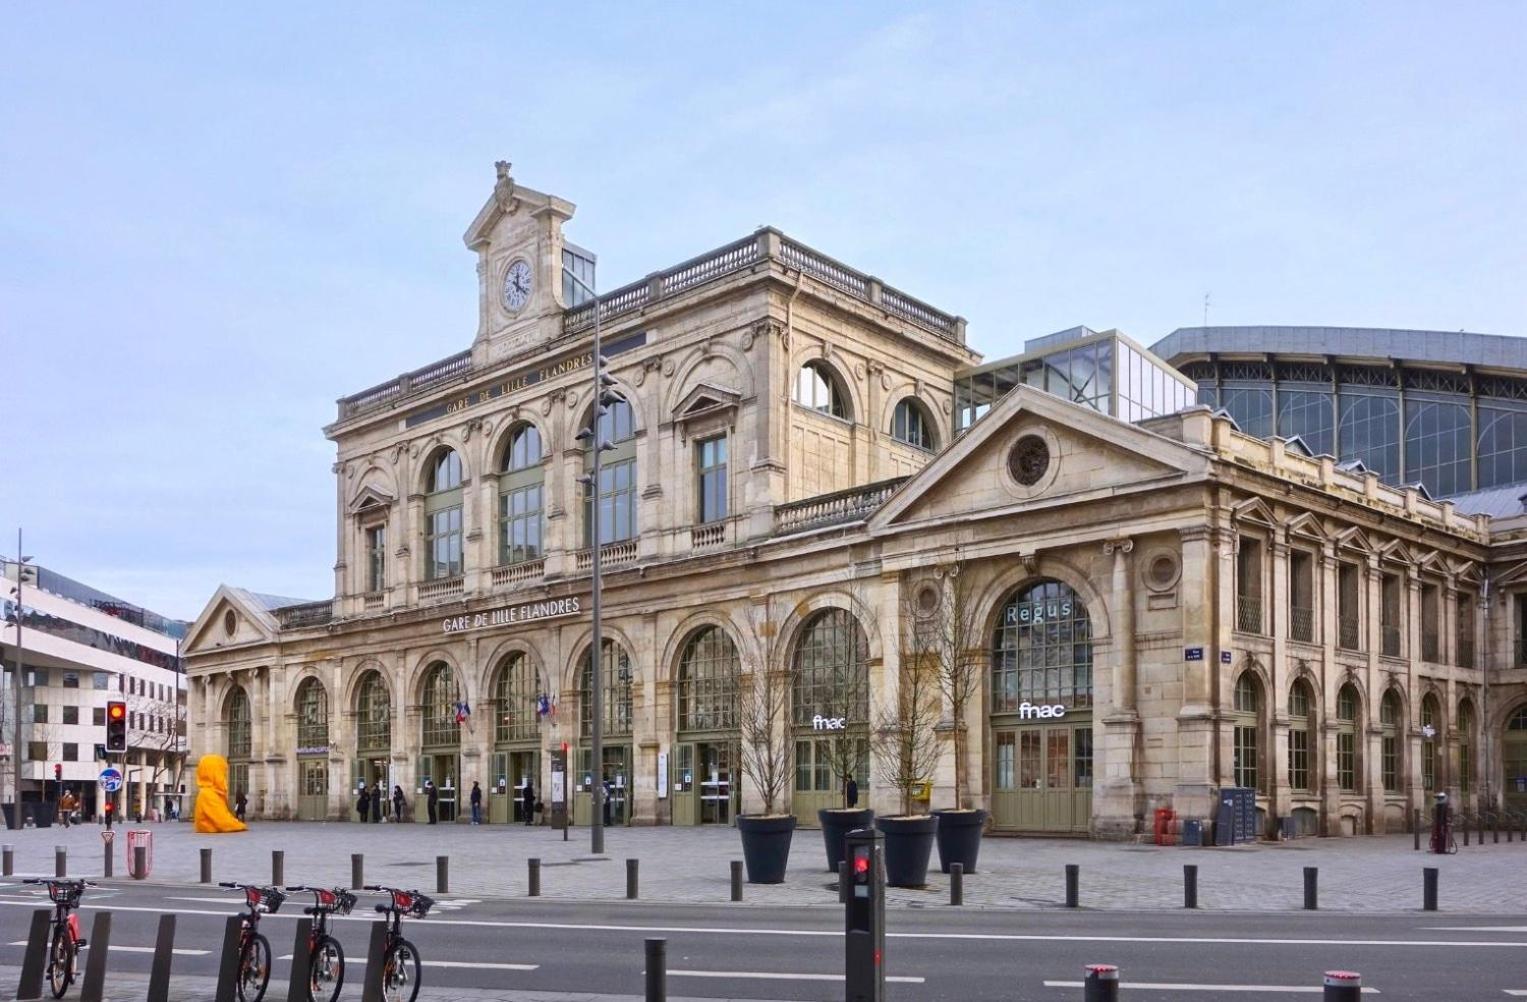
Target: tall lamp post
pixel 21 575
pixel 591 435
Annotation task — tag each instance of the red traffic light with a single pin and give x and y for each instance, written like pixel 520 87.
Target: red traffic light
pixel 109 806
pixel 58 771
pixel 861 864
pixel 116 711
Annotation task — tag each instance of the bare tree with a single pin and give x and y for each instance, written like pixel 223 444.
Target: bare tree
pixel 161 736
pixel 945 635
pixel 907 739
pixel 763 718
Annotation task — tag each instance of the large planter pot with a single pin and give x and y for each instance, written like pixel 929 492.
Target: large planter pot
pixel 766 846
pixel 12 819
pixel 908 844
pixel 959 838
pixel 837 822
pixel 43 813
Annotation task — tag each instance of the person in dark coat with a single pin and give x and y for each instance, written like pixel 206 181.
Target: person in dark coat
pixel 376 801
pixel 434 800
pixel 851 792
pixel 240 804
pixel 397 802
pixel 609 807
pixel 476 803
pixel 528 803
pixel 363 803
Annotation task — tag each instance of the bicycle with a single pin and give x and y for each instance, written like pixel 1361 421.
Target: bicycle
pixel 254 948
pixel 66 943
pixel 400 959
pixel 326 958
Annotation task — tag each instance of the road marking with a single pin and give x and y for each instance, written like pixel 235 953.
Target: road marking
pixel 135 949
pixel 1148 986
pixel 225 900
pixel 1476 928
pixel 476 965
pixel 773 976
pixel 1517 992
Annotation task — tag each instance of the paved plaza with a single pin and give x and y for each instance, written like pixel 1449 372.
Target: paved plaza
pixel 690 865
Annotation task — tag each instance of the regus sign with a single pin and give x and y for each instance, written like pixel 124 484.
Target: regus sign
pixel 821 723
pixel 1043 711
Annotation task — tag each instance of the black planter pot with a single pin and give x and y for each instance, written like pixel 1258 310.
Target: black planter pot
pixel 837 822
pixel 43 813
pixel 959 838
pixel 12 819
pixel 766 846
pixel 908 844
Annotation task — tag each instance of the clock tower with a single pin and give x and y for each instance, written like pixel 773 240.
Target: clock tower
pixel 518 239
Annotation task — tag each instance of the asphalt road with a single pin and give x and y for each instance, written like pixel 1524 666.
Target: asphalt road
pixel 796 953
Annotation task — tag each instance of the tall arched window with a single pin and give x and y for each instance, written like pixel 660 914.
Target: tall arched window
pixel 441 706
pixel 1390 717
pixel 617 477
pixel 521 498
pixel 1248 729
pixel 1431 733
pixel 312 716
pixel 817 387
pixel 442 517
pixel 831 673
pixel 240 727
pixel 615 671
pixel 1042 650
pixel 1465 746
pixel 515 692
pixel 708 673
pixel 912 424
pixel 1347 715
pixel 373 715
pixel 1300 727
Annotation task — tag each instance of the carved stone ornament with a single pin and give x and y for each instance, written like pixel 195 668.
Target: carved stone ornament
pixel 639 376
pixel 859 372
pixel 503 189
pixel 546 407
pixel 1030 460
pixel 667 366
pixel 885 380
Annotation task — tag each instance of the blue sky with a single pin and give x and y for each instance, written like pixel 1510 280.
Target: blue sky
pixel 215 221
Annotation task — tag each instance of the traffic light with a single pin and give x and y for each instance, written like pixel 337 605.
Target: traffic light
pixel 58 772
pixel 116 726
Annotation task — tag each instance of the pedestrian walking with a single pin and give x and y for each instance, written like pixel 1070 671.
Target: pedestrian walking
pixel 363 802
pixel 432 796
pixel 397 803
pixel 851 792
pixel 609 795
pixel 66 807
pixel 240 804
pixel 528 802
pixel 376 802
pixel 476 803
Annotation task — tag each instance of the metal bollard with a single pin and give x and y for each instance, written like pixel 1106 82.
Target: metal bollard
pixel 60 861
pixel 1429 889
pixel 442 874
pixel 1495 829
pixel 206 866
pixel 7 860
pixel 376 947
pixel 1415 824
pixel 1073 879
pixel 1479 828
pixel 1509 832
pixel 140 862
pixel 1343 986
pixel 106 862
pixel 842 881
pixel 164 955
pixel 278 867
pixel 300 986
pixel 534 863
pixel 357 870
pixel 30 986
pixel 228 960
pixel 1465 833
pixel 657 970
pixel 631 879
pixel 736 880
pixel 1190 885
pixel 956 883
pixel 1311 888
pixel 1101 983
pixel 94 988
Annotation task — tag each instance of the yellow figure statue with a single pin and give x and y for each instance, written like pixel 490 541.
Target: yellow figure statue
pixel 212 813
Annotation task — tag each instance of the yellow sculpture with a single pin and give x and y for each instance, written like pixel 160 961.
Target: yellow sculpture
pixel 212 813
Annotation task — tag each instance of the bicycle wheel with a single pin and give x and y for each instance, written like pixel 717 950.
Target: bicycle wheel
pixel 327 974
pixel 400 972
pixel 60 964
pixel 254 968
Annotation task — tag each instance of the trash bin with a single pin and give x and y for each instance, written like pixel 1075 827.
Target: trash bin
pixel 1192 831
pixel 135 838
pixel 1163 826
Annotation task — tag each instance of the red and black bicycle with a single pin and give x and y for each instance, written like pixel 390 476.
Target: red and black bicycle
pixel 66 942
pixel 326 958
pixel 254 948
pixel 400 960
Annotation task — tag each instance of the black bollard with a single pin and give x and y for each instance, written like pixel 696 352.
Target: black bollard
pixel 278 867
pixel 956 883
pixel 30 986
pixel 534 863
pixel 1509 831
pixel 1101 983
pixel 371 985
pixel 1465 833
pixel 140 862
pixel 442 874
pixel 301 984
pixel 164 956
pixel 736 866
pixel 228 960
pixel 106 862
pixel 357 870
pixel 1343 986
pixel 94 987
pixel 1415 824
pixel 1073 879
pixel 1429 889
pixel 842 881
pixel 1495 829
pixel 60 861
pixel 1190 885
pixel 1479 828
pixel 1311 888
pixel 657 970
pixel 206 866
pixel 631 879
pixel 7 860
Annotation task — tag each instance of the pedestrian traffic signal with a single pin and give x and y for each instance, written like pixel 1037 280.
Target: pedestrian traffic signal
pixel 116 726
pixel 58 772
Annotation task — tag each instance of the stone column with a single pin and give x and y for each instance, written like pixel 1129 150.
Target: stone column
pixel 1278 675
pixel 410 551
pixel 1116 806
pixel 1370 735
pixel 1323 768
pixel 884 683
pixel 1201 612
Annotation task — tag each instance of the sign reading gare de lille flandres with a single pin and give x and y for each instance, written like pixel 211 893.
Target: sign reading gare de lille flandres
pixel 511 615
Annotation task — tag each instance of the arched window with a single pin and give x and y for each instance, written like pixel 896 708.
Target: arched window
pixel 515 692
pixel 1465 746
pixel 240 734
pixel 1300 727
pixel 1042 649
pixel 912 424
pixel 442 517
pixel 1248 729
pixel 1431 732
pixel 442 706
pixel 312 716
pixel 373 715
pixel 817 387
pixel 615 670
pixel 1347 708
pixel 521 497
pixel 617 477
pixel 708 682
pixel 1390 717
pixel 831 672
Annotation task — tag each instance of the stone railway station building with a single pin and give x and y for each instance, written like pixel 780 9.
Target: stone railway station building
pixel 1161 605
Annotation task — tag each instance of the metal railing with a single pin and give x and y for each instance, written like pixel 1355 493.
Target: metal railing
pixel 1301 624
pixel 294 617
pixel 1348 635
pixel 1429 645
pixel 1391 634
pixel 835 508
pixel 1248 613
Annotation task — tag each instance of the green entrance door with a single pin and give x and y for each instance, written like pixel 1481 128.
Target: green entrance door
pixel 681 785
pixel 444 770
pixel 1042 777
pixel 822 768
pixel 1514 756
pixel 238 782
pixel 716 785
pixel 617 778
pixel 312 789
pixel 524 770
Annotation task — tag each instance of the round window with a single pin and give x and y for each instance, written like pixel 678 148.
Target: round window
pixel 1162 572
pixel 230 622
pixel 927 600
pixel 1029 460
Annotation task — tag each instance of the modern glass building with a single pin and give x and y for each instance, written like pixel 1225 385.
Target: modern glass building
pixel 1445 409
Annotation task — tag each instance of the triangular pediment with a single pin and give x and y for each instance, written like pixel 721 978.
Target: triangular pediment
pixel 1067 453
pixel 370 499
pixel 251 618
pixel 704 400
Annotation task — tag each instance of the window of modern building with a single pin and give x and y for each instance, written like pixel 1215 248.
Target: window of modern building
pixel 1248 585
pixel 441 706
pixel 1502 448
pixel 442 514
pixel 71 680
pixel 521 497
pixel 1308 416
pixel 37 751
pixel 1465 746
pixel 1248 729
pixel 1431 723
pixel 1347 707
pixel 710 477
pixel 98 716
pixel 1301 594
pixel 708 673
pixel 1349 632
pixel 1390 716
pixel 1390 590
pixel 71 714
pixel 1300 727
pixel 1431 615
pixel 39 713
pixel 617 477
pixel 312 715
pixel 911 423
pixel 1042 650
pixel 516 690
pixel 615 676
pixel 1464 629
pixel 1251 407
pixel 99 680
pixel 1438 445
pixel 71 752
pixel 37 677
pixel 817 387
pixel 1369 431
pixel 376 558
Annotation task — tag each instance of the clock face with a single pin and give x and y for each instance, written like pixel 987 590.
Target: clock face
pixel 517 282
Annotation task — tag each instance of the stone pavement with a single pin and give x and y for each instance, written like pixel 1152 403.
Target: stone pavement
pixel 1379 873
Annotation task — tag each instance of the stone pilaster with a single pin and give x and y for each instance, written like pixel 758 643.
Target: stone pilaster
pixel 1117 805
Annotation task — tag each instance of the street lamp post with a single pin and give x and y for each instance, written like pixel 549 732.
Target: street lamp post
pixel 591 434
